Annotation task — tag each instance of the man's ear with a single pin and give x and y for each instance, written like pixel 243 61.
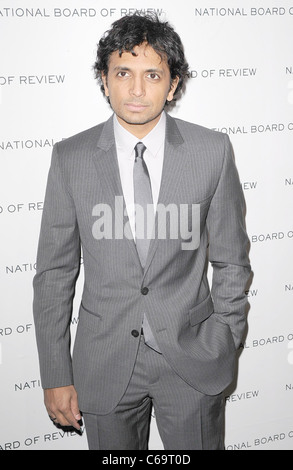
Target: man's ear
pixel 104 79
pixel 173 89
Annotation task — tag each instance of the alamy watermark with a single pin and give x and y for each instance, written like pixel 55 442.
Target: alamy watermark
pixel 172 222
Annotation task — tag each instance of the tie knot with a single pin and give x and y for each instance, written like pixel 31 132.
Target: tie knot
pixel 139 150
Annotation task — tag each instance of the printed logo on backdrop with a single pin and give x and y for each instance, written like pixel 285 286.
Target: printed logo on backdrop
pixel 20 207
pixel 24 268
pixel 234 73
pixel 106 11
pixel 21 268
pixel 10 331
pixel 271 341
pixel 288 288
pixel 69 12
pixel 240 396
pixel 272 236
pixel 232 12
pixel 256 128
pixel 252 293
pixel 262 441
pixel 240 72
pixel 26 144
pixel 30 80
pixel 27 385
pixel 29 442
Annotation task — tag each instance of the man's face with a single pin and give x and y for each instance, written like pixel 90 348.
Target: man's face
pixel 138 87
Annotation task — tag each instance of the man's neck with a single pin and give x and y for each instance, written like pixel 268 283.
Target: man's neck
pixel 139 130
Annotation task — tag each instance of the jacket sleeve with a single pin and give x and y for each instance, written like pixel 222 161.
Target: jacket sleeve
pixel 228 248
pixel 58 264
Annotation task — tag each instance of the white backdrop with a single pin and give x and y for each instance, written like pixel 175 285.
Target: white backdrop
pixel 241 66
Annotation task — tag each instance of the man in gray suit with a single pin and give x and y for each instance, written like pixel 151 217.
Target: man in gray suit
pixel 151 331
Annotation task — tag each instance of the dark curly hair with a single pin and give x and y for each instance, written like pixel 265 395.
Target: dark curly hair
pixel 132 30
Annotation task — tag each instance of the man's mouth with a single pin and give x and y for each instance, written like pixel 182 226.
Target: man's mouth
pixel 136 107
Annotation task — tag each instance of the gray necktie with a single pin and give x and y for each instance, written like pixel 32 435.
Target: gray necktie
pixel 143 198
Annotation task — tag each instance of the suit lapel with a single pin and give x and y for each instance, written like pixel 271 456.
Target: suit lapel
pixel 106 163
pixel 173 162
pixel 173 166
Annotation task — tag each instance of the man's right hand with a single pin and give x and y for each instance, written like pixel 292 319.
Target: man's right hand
pixel 62 406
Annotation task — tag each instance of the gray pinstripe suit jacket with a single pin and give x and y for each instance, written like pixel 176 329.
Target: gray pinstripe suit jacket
pixel 198 329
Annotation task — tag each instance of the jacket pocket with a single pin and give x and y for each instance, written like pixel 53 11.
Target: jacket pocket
pixel 89 319
pixel 201 311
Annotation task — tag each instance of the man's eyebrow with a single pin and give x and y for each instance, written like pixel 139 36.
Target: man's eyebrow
pixel 155 70
pixel 127 69
pixel 120 67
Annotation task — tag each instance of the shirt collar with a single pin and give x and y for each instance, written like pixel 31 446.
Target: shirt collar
pixel 153 141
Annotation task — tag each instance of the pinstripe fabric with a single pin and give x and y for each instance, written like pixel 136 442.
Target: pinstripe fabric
pixel 186 418
pixel 197 330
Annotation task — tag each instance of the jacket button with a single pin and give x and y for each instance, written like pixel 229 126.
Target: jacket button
pixel 144 290
pixel 135 333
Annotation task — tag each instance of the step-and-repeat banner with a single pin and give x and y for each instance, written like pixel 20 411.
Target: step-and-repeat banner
pixel 240 54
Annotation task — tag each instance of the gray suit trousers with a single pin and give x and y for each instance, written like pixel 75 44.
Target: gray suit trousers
pixel 186 419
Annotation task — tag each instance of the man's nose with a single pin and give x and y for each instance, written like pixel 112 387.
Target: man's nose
pixel 137 88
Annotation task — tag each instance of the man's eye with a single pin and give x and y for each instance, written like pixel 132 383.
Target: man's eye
pixel 153 76
pixel 122 74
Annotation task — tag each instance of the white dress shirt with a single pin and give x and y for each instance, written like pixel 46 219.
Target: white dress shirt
pixel 153 156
